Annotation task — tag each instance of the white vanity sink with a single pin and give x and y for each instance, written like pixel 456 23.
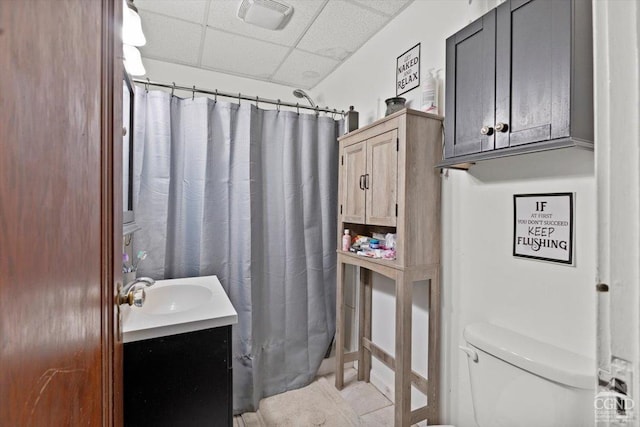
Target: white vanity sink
pixel 177 306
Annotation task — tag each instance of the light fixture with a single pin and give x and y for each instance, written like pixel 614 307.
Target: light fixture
pixel 269 14
pixel 131 25
pixel 133 61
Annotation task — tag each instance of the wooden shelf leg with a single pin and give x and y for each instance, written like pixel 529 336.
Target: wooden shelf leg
pixel 433 370
pixel 364 325
pixel 340 325
pixel 404 290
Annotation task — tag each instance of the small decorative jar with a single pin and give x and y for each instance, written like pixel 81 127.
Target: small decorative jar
pixel 394 104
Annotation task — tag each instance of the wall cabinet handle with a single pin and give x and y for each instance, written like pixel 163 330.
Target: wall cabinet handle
pixel 502 127
pixel 366 181
pixel 486 130
pixel 362 182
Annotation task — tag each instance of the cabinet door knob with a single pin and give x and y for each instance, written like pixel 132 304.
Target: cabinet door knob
pixel 502 127
pixel 486 130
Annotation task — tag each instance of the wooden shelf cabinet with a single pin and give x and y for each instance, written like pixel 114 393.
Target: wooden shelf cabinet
pixel 370 180
pixel 520 79
pixel 389 184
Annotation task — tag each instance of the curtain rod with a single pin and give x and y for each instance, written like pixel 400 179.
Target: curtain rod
pixel 237 96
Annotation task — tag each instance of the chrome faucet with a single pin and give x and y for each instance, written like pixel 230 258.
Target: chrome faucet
pixel 133 292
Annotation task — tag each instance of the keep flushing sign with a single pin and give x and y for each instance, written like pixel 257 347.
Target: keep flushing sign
pixel 543 227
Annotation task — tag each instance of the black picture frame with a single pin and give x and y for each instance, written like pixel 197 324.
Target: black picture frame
pixel 570 196
pixel 418 45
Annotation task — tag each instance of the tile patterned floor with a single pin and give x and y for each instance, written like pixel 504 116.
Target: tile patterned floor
pixel 373 407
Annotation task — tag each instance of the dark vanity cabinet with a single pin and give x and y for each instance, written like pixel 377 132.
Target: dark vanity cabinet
pixel 518 80
pixel 179 380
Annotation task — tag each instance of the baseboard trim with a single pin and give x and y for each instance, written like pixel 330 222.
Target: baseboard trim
pixel 328 366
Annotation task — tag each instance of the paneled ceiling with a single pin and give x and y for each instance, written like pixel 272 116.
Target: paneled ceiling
pixel 208 34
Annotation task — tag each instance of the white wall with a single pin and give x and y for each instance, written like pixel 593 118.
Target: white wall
pixel 482 281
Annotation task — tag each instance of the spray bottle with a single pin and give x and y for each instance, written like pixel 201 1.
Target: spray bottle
pixel 430 92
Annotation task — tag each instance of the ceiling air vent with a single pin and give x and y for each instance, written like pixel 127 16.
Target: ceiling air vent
pixel 269 14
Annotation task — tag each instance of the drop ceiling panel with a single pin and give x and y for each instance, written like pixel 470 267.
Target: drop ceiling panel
pixel 304 70
pixel 207 34
pixel 241 55
pixel 189 10
pixel 341 27
pixel 170 39
pixel 385 6
pixel 223 16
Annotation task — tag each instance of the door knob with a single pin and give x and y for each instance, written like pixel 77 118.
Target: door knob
pixel 502 127
pixel 486 130
pixel 133 292
pixel 134 297
pixel 139 296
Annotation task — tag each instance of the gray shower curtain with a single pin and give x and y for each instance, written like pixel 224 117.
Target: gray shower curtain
pixel 250 196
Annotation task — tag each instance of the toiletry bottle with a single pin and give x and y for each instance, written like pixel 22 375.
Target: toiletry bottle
pixel 350 120
pixel 346 241
pixel 428 92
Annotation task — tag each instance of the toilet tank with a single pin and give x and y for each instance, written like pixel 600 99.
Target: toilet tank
pixel 517 381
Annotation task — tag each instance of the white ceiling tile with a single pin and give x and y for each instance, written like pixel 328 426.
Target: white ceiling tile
pixel 323 33
pixel 170 39
pixel 388 7
pixel 189 10
pixel 223 16
pixel 304 69
pixel 241 55
pixel 341 28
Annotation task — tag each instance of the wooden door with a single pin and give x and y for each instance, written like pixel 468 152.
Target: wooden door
pixel 354 167
pixel 470 88
pixel 381 180
pixel 58 235
pixel 533 71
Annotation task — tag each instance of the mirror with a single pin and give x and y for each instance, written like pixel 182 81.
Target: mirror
pixel 128 217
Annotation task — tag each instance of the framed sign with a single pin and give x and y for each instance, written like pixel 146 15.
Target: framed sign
pixel 543 227
pixel 408 70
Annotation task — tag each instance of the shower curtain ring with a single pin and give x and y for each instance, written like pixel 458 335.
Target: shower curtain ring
pixel 146 85
pixel 239 98
pixel 215 99
pixel 278 105
pixel 298 108
pixel 193 93
pixel 257 102
pixel 317 111
pixel 173 88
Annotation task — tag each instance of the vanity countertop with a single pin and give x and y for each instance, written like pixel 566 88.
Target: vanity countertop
pixel 177 306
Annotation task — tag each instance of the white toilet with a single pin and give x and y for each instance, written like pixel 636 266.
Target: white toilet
pixel 517 381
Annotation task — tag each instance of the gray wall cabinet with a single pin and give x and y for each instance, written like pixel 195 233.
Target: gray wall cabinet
pixel 518 80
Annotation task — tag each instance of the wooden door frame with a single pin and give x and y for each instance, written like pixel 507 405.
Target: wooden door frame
pixel 111 210
pixel 617 133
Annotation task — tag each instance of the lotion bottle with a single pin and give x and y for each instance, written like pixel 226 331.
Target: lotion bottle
pixel 346 241
pixel 428 92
